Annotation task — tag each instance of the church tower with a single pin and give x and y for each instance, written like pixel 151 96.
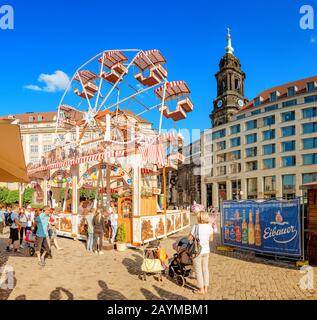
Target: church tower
pixel 230 87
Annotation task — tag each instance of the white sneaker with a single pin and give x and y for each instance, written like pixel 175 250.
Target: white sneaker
pixel 100 252
pixel 21 246
pixel 96 252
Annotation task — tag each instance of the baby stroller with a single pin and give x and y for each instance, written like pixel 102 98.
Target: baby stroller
pixel 30 241
pixel 181 265
pixel 153 261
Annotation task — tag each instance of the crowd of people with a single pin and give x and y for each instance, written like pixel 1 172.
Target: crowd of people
pixel 42 224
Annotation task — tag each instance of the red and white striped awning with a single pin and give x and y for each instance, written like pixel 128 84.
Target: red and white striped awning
pixel 173 90
pixel 153 154
pixel 145 60
pixel 85 76
pixel 149 172
pixel 111 58
pixel 81 160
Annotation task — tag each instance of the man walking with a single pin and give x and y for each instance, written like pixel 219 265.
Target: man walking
pixel 41 234
pixel 14 223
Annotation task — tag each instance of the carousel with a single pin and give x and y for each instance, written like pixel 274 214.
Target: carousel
pixel 106 148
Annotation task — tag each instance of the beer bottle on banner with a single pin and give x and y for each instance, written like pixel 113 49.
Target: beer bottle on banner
pixel 244 228
pixel 251 229
pixel 226 227
pixel 238 227
pixel 258 236
pixel 232 229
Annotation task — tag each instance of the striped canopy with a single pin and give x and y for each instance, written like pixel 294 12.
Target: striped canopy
pixel 174 89
pixel 147 59
pixel 111 58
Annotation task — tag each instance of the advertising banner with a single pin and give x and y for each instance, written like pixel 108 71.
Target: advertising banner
pixel 271 226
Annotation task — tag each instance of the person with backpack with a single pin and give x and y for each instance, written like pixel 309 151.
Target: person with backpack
pixel 200 237
pixel 2 219
pixel 13 222
pixel 23 223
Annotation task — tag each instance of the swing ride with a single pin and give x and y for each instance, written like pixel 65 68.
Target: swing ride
pixel 104 143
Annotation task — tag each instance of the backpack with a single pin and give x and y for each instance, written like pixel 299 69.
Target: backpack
pixel 8 220
pixel 194 247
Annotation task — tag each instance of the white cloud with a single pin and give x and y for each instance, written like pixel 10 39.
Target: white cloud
pixel 32 87
pixel 58 81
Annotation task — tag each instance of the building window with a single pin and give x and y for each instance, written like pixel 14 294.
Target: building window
pixel 251 138
pixel 270 184
pixel 34 138
pixel 34 149
pixel 288 146
pixel 251 152
pixel 268 121
pixel 311 86
pixel 288 131
pixel 221 158
pixel 221 145
pixel 310 99
pixel 221 171
pixel 257 102
pixel 310 143
pixel 242 116
pixel 288 116
pixel 251 166
pixel 269 163
pixel 291 91
pixel 271 108
pixel 219 134
pixel 309 127
pixel 40 118
pixel 47 148
pixel 289 103
pixel 236 155
pixel 252 185
pixel 235 142
pixel 309 112
pixel 309 159
pixel 273 96
pixel 249 125
pixel 31 118
pixel 268 149
pixel 289 161
pixel 269 134
pixel 255 112
pixel 289 186
pixel 235 129
pixel 208 138
pixel 309 177
pixel 235 168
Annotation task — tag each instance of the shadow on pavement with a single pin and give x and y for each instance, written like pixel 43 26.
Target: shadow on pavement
pixel 108 294
pixel 133 265
pixel 148 295
pixel 167 295
pixel 60 294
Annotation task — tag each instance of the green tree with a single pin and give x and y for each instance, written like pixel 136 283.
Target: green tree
pixel 13 197
pixel 122 233
pixel 28 195
pixel 4 192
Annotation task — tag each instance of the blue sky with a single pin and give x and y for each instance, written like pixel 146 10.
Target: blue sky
pixel 61 35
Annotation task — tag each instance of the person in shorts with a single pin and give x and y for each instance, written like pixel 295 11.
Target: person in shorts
pixel 41 222
pixel 14 230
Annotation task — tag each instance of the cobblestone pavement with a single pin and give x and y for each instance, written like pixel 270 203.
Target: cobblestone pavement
pixel 76 274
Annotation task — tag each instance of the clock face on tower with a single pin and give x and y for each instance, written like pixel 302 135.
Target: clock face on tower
pixel 240 103
pixel 219 104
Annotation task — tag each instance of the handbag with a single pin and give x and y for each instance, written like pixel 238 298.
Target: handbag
pixel 151 266
pixel 194 247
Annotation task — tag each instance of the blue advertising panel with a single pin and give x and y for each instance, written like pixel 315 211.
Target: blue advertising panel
pixel 271 226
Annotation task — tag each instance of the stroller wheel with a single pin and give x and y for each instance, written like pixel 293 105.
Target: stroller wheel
pixel 31 251
pixel 171 272
pixel 180 280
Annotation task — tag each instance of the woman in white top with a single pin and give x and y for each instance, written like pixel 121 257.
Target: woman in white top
pixel 204 232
